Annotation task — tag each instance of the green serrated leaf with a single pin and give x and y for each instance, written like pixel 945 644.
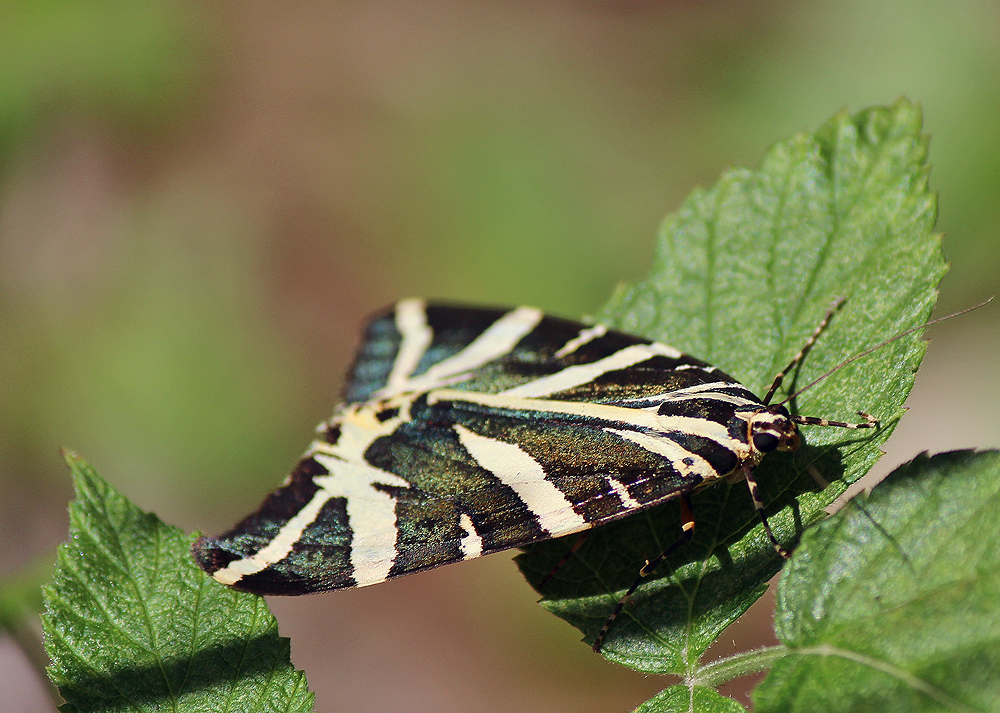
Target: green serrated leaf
pixel 892 604
pixel 744 273
pixel 696 699
pixel 131 624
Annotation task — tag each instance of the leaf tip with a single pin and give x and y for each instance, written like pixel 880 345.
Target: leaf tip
pixel 70 457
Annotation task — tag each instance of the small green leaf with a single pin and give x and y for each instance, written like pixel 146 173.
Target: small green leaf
pixel 893 604
pixel 696 699
pixel 131 624
pixel 745 272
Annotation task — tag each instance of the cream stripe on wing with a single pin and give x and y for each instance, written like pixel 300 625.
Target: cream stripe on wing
pixel 371 514
pixel 472 543
pixel 371 510
pixel 684 461
pixel 712 389
pixel 640 419
pixel 416 336
pixel 525 476
pixel 628 502
pixel 498 339
pixel 278 548
pixel 580 374
pixel 584 337
pixel 651 403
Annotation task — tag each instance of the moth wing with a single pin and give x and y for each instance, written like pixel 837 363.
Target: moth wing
pixel 459 478
pixel 476 483
pixel 409 338
pixel 491 349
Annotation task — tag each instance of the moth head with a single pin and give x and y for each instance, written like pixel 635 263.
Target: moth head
pixel 771 429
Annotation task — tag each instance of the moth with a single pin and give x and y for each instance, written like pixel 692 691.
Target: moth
pixel 466 431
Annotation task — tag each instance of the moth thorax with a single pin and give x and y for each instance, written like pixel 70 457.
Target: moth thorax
pixel 772 430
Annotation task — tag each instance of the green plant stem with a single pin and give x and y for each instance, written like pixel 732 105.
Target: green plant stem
pixel 718 672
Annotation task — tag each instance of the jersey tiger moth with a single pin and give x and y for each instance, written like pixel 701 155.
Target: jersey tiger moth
pixel 467 431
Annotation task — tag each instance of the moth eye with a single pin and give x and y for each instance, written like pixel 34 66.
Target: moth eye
pixel 765 442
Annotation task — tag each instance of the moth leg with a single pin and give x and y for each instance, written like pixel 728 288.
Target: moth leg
pixel 870 421
pixel 687 532
pixel 759 507
pixel 566 558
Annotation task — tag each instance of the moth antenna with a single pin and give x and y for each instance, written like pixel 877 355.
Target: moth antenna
pixel 837 304
pixel 887 342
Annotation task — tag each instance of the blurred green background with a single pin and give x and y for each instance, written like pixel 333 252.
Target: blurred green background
pixel 200 202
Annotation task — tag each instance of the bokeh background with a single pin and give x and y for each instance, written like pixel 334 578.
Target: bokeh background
pixel 200 202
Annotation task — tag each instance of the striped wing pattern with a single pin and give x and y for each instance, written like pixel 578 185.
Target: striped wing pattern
pixel 466 431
